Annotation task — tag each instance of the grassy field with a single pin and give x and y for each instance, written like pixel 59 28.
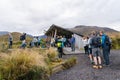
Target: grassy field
pixel 17 64
pixel 31 63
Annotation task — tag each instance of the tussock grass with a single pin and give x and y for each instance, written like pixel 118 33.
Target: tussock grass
pixel 19 62
pixel 52 53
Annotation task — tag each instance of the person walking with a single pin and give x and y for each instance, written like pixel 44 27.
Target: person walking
pixel 105 47
pixel 10 39
pixel 72 40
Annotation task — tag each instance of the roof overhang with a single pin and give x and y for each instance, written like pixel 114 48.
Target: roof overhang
pixel 60 31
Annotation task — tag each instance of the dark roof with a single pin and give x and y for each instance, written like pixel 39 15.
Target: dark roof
pixel 60 31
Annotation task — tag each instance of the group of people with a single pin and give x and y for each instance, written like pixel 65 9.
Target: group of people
pixel 61 42
pixel 22 38
pixel 34 42
pixel 93 45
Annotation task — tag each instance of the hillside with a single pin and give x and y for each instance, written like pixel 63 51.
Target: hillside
pixel 85 30
pixel 16 36
pixel 3 33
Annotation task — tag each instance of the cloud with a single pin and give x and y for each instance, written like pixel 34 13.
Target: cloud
pixel 35 16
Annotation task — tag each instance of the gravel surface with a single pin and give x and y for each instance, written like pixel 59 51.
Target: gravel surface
pixel 83 69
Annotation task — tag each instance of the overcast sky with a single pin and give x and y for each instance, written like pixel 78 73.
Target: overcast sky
pixel 35 16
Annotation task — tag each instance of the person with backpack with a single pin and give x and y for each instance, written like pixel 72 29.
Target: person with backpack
pixel 60 47
pixel 90 49
pixel 96 44
pixel 10 39
pixel 23 39
pixel 105 47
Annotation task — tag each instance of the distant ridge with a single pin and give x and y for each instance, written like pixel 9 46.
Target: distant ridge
pixel 3 33
pixel 86 30
pixel 16 37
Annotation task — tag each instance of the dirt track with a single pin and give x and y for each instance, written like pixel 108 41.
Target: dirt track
pixel 83 69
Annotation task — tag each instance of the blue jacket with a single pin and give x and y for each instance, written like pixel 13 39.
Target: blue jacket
pixel 72 40
pixel 103 40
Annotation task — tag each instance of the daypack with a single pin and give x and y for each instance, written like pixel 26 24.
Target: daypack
pixel 96 41
pixel 107 40
pixel 21 37
pixel 59 44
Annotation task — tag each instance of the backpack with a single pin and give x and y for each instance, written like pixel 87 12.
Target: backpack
pixel 21 37
pixel 96 41
pixel 107 40
pixel 59 44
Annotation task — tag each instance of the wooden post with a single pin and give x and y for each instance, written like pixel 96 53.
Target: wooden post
pixel 55 33
pixel 52 34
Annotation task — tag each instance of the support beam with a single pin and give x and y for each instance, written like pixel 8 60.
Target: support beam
pixel 55 33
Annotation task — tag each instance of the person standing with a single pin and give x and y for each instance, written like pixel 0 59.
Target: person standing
pixel 105 47
pixel 60 46
pixel 35 41
pixel 72 40
pixel 90 49
pixel 23 39
pixel 96 44
pixel 64 40
pixel 10 39
pixel 85 43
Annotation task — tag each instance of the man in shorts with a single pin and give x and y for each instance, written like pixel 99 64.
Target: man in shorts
pixel 96 44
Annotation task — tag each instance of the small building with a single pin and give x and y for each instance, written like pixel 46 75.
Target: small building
pixel 55 30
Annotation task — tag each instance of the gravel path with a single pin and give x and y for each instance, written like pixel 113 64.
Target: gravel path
pixel 83 69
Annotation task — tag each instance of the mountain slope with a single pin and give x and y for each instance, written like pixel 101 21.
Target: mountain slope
pixel 16 37
pixel 86 30
pixel 3 33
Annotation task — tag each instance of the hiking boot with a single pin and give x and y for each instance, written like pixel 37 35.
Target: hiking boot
pixel 100 66
pixel 95 66
pixel 92 62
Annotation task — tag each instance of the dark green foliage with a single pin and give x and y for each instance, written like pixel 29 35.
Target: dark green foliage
pixel 36 73
pixel 69 63
pixel 116 43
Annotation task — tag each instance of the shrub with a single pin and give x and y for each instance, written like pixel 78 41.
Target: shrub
pixel 36 73
pixel 20 64
pixel 52 54
pixel 116 43
pixel 69 63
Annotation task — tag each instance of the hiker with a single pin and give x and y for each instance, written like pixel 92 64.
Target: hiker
pixel 39 39
pixel 10 39
pixel 52 43
pixel 90 49
pixel 23 39
pixel 48 41
pixel 35 41
pixel 56 39
pixel 68 44
pixel 60 46
pixel 64 40
pixel 72 41
pixel 96 44
pixel 110 45
pixel 85 42
pixel 105 47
